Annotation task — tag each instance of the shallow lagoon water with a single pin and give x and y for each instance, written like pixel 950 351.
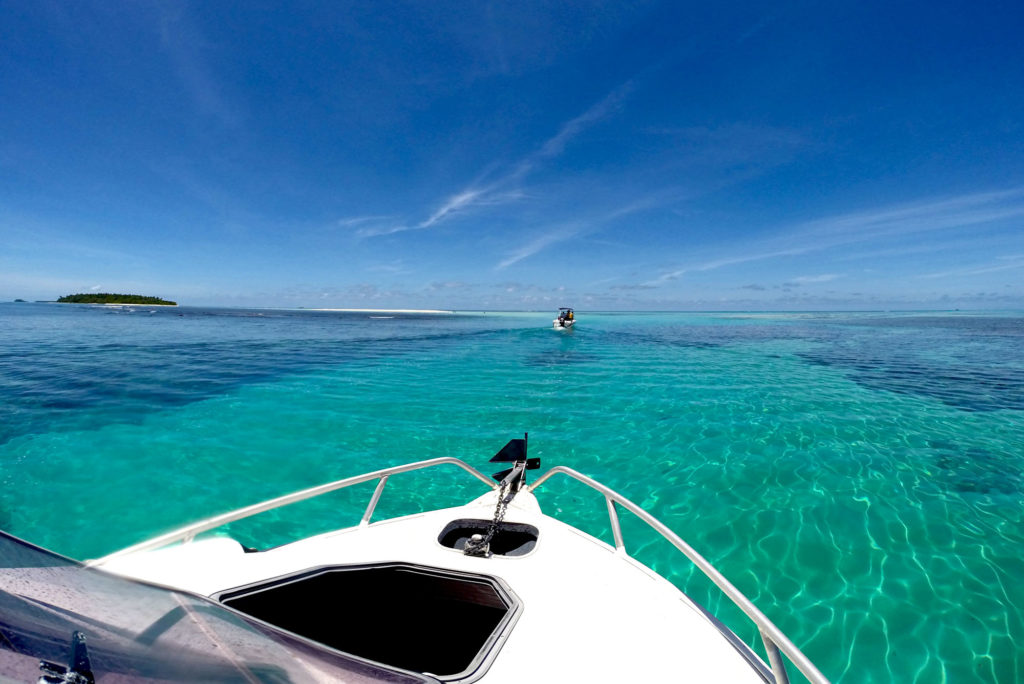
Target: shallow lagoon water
pixel 859 476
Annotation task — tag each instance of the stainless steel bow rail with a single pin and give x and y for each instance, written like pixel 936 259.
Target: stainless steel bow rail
pixel 775 642
pixel 188 533
pixel 773 638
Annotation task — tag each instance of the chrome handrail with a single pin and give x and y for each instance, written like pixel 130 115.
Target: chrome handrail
pixel 772 637
pixel 188 533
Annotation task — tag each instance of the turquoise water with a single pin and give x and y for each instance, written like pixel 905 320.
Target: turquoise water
pixel 859 476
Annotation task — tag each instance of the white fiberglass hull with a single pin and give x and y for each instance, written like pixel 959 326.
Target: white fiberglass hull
pixel 589 613
pixel 573 608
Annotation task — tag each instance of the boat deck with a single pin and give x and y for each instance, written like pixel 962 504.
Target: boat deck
pixel 589 613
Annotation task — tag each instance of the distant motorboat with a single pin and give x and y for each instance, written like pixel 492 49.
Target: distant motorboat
pixel 566 319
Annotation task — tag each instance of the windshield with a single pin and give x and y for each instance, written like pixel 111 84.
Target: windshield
pixel 139 632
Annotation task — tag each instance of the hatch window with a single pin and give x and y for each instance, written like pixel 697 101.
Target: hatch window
pixel 440 622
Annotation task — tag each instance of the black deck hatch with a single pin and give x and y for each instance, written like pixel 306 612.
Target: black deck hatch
pixel 442 622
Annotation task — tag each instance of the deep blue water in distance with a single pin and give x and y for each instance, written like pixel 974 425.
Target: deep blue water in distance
pixel 859 476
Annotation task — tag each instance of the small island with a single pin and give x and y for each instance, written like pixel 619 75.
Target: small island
pixel 108 298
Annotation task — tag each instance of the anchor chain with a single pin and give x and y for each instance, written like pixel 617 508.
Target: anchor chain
pixel 481 548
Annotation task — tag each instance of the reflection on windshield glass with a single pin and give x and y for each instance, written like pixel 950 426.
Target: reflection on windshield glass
pixel 145 633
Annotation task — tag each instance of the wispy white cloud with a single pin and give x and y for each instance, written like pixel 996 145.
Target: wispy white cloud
pixel 924 247
pixel 880 228
pixel 628 287
pixel 823 278
pixel 937 214
pixel 576 229
pixel 746 258
pixel 609 104
pixel 666 277
pixel 353 221
pixel 392 267
pixel 1005 264
pixel 455 204
pixel 732 146
pixel 448 285
pixel 539 243
pixel 184 44
pixel 714 264
pixel 504 189
pixel 382 230
pixel 86 241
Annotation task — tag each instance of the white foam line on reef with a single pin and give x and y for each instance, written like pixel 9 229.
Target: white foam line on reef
pixel 420 311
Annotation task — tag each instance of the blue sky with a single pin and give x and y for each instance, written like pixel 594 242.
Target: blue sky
pixel 517 155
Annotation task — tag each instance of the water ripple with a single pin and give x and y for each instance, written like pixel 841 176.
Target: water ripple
pixel 860 477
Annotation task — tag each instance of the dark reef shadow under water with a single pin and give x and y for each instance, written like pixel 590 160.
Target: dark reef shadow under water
pixel 161 362
pixel 976 471
pixel 968 387
pixel 967 363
